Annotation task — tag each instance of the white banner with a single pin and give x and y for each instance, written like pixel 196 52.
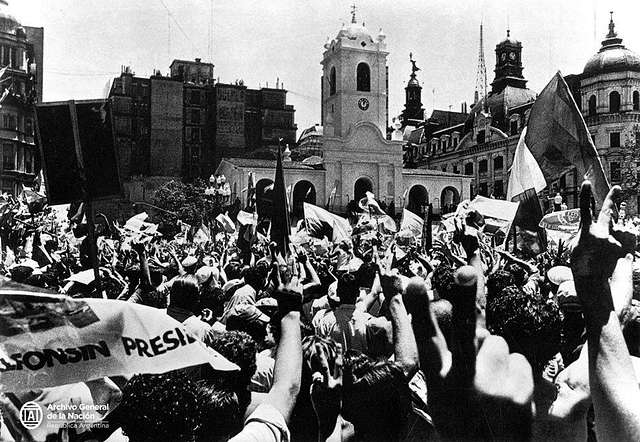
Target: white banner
pixel 48 340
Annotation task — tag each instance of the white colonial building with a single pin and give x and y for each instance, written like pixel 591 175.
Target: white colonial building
pixel 357 157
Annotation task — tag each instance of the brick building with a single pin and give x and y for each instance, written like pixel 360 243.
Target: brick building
pixel 181 125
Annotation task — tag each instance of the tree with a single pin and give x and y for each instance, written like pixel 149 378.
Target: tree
pixel 188 202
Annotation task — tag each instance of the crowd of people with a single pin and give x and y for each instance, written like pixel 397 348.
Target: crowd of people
pixel 371 338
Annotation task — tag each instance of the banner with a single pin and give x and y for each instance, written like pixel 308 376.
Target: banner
pixel 563 221
pixel 280 228
pixel 49 340
pixel 525 173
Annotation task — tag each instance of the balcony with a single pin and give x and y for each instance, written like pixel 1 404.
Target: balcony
pixel 624 117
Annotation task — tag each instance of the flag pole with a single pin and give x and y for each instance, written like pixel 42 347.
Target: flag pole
pixel 89 213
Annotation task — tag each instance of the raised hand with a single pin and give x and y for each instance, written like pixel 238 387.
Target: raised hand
pixel 326 390
pixel 467 237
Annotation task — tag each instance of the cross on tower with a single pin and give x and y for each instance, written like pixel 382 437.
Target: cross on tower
pixel 353 13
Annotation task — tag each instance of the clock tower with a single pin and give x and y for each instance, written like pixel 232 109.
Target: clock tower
pixel 354 80
pixel 508 65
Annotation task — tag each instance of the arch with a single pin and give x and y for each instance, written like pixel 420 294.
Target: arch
pixel 264 197
pixel 332 81
pixel 636 100
pixel 303 192
pixel 363 77
pixel 449 200
pixel 614 102
pixel 361 187
pixel 417 199
pixel 592 105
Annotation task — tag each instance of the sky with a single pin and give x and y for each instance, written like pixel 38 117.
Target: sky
pixel 87 41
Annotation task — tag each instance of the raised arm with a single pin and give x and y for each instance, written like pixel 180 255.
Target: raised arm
pixel 614 388
pixel 405 349
pixel 287 371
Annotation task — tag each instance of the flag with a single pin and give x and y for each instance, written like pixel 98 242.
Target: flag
pixel 251 192
pixel 411 222
pixel 280 227
pixel 369 204
pixel 138 225
pixel 52 340
pixel 202 235
pixel 525 173
pixel 227 224
pixel 559 139
pixel 246 218
pixel 321 223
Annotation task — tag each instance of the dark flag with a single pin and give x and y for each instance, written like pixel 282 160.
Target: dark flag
pixel 558 138
pixel 280 227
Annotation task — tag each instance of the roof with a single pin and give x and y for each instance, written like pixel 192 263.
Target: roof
pixel 613 56
pixel 265 164
pixel 500 103
pixel 448 117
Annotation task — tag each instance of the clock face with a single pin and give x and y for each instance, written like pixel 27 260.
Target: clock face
pixel 363 104
pixel 512 55
pixel 503 56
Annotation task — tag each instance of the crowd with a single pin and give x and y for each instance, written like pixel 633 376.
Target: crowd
pixel 371 338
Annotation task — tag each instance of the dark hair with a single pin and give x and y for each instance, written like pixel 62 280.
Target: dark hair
pixel 254 276
pixel 233 270
pixel 185 293
pixel 530 324
pixel 221 414
pixel 376 396
pixel 631 328
pixel 367 274
pixel 165 404
pixel 348 288
pixel 442 281
pixel 309 352
pixel 239 348
pixel 498 281
pixel 256 329
pixel 213 298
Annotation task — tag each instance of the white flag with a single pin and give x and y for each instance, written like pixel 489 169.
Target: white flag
pixel 525 172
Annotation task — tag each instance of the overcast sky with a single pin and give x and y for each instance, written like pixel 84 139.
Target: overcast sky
pixel 86 41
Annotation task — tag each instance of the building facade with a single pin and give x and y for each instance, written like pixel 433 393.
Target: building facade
pixel 608 90
pixel 21 55
pixel 479 144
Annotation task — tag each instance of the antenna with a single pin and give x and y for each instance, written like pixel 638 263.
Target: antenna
pixel 481 74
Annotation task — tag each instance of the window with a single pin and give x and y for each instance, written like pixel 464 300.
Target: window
pixel 483 166
pixel 5 56
pixel 482 189
pixel 614 139
pixel 563 182
pixel 193 134
pixel 20 159
pixel 614 102
pixel 468 169
pixel 332 81
pixel 514 127
pixel 455 169
pixel 455 142
pixel 636 100
pixel 444 168
pixel 8 158
pixel 480 137
pixel 592 105
pixel 9 121
pixel 498 188
pixel 363 78
pixel 28 161
pixel 615 172
pixel 195 97
pixel 14 57
pixel 498 163
pixel 195 116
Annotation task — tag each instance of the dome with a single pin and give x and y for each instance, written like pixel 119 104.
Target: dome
pixel 509 40
pixel 356 31
pixel 613 56
pixel 8 23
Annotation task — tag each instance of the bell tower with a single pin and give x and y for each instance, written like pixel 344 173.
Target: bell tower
pixel 354 79
pixel 508 65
